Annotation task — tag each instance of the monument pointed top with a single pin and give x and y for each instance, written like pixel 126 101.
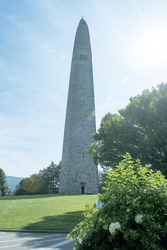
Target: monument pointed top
pixel 82 21
pixel 82 39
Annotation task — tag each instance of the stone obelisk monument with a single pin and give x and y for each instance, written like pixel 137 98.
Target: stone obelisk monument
pixel 79 174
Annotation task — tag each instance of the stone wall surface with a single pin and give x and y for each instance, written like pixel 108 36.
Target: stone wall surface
pixel 78 171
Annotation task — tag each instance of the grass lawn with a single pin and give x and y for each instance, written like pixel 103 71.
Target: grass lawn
pixel 43 212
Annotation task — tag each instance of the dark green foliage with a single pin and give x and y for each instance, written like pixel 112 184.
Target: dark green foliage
pixel 51 177
pixel 140 129
pixel 149 113
pixel 3 183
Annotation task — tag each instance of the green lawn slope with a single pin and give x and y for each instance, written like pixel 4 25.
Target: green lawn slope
pixel 43 212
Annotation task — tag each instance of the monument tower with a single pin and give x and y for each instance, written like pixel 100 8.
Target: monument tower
pixel 79 174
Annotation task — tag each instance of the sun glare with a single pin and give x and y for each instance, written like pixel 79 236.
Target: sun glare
pixel 148 50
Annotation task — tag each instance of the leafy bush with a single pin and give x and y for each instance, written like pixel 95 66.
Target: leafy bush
pixel 133 215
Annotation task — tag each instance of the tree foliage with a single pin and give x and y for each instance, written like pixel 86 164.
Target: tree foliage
pixel 140 129
pixel 101 180
pixel 3 183
pixel 29 185
pixel 51 177
pixel 149 113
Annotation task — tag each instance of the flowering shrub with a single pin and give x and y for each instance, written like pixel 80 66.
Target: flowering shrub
pixel 133 214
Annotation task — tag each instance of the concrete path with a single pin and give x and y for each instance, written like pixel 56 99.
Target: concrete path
pixel 34 240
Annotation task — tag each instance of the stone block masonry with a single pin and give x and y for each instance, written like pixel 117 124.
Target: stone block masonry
pixel 79 174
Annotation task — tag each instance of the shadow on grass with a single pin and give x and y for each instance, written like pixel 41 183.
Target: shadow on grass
pixel 66 221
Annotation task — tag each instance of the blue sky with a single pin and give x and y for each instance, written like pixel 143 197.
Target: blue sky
pixel 129 52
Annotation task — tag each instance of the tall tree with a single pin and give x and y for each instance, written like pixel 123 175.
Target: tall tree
pixel 51 171
pixel 149 113
pixel 51 177
pixel 140 129
pixel 115 137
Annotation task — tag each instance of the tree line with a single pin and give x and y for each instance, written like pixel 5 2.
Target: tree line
pixel 139 129
pixel 45 182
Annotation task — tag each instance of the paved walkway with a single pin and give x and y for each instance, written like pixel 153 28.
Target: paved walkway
pixel 35 240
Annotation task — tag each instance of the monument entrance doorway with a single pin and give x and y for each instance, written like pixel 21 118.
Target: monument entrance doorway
pixel 82 189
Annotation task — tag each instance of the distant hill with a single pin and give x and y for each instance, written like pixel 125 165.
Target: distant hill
pixel 13 181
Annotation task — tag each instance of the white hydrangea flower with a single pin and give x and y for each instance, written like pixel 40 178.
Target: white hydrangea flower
pixel 114 226
pixel 117 225
pixel 80 240
pixel 99 204
pixel 138 218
